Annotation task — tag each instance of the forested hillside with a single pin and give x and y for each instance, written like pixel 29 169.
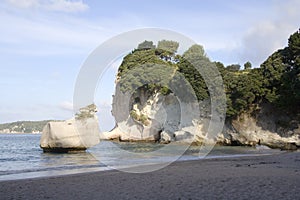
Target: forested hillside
pixel 276 81
pixel 23 127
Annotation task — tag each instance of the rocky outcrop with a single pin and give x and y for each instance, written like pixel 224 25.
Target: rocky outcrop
pixel 154 117
pixel 145 113
pixel 144 120
pixel 76 134
pixel 267 126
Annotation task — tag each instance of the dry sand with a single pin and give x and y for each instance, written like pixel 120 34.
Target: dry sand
pixel 255 177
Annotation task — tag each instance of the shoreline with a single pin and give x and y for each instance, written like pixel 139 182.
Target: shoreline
pixel 268 177
pixel 40 173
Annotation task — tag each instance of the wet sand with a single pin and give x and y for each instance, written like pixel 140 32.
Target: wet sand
pixel 254 177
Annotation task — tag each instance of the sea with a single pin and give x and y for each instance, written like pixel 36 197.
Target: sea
pixel 21 157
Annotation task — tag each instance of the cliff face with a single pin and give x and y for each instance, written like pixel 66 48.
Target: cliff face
pixel 151 116
pixel 156 117
pixel 267 126
pixel 137 116
pixel 152 112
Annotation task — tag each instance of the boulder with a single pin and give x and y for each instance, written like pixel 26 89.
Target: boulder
pixel 167 137
pixel 76 134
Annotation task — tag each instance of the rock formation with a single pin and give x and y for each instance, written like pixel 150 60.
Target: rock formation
pixel 142 121
pixel 156 117
pixel 76 134
pixel 268 126
pixel 153 117
pixel 147 107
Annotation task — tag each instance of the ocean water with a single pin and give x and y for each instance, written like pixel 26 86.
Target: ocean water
pixel 21 156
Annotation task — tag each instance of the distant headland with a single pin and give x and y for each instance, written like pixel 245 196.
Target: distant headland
pixel 33 127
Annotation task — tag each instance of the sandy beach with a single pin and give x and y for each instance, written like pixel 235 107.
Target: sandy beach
pixel 254 177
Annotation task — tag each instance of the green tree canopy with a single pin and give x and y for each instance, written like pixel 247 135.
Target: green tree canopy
pixel 168 46
pixel 146 45
pixel 234 67
pixel 247 65
pixel 195 50
pixel 277 81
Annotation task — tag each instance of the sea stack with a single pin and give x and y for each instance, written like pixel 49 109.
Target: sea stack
pixel 76 134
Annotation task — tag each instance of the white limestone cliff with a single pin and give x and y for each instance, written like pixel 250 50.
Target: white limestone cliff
pixel 152 117
pixel 163 118
pixel 268 127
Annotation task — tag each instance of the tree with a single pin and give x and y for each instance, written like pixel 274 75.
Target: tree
pixel 272 70
pixel 195 49
pixel 220 67
pixel 282 75
pixel 168 45
pixel 247 65
pixel 193 76
pixel 146 45
pixel 191 62
pixel 289 91
pixel 233 67
pixel 138 58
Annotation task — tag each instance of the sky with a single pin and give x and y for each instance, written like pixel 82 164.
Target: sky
pixel 43 43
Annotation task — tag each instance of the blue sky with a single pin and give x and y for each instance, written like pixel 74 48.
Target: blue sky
pixel 45 42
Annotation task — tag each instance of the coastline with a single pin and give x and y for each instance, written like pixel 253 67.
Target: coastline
pixel 268 177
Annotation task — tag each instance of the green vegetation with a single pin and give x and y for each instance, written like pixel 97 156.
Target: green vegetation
pixel 282 75
pixel 142 67
pixel 247 65
pixel 23 126
pixel 233 67
pixel 141 118
pixel 197 56
pixel 167 49
pixel 86 112
pixel 146 45
pixel 277 81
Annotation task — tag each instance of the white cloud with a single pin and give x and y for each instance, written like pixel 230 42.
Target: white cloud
pixel 24 3
pixel 39 33
pixel 48 35
pixel 66 105
pixel 268 35
pixel 262 40
pixel 51 5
